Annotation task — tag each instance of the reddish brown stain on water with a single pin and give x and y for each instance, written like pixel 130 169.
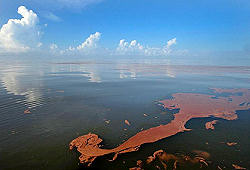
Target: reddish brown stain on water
pixel 127 122
pixel 27 111
pixel 191 105
pixel 237 166
pixel 231 143
pixel 210 125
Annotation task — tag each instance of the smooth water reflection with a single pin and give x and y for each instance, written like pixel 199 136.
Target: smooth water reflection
pixel 71 98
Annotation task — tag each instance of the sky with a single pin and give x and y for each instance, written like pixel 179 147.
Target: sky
pixel 118 27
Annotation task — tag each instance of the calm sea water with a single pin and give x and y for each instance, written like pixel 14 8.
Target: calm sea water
pixel 69 98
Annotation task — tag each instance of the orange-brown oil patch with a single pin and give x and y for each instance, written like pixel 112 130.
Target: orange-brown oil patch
pixel 237 166
pixel 210 125
pixel 191 105
pixel 127 122
pixel 27 111
pixel 231 143
pixel 163 160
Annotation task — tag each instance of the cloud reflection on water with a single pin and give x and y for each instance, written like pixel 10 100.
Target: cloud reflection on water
pixel 20 82
pixel 28 80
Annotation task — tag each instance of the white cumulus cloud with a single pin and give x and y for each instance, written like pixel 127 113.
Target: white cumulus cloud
pixel 167 48
pixel 89 44
pixel 129 47
pixel 19 35
pixel 135 48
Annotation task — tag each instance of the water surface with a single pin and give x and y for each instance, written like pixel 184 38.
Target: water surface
pixel 69 98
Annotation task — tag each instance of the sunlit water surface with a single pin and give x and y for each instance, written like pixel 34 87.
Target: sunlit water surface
pixel 72 98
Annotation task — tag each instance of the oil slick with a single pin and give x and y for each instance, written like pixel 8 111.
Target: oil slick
pixel 127 122
pixel 190 105
pixel 210 125
pixel 27 111
pixel 163 160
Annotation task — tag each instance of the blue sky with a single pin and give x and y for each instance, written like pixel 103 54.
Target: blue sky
pixel 198 26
